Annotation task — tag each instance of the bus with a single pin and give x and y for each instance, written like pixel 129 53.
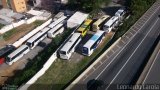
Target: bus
pixel 66 51
pixel 96 25
pixel 93 43
pixel 55 31
pixel 84 27
pixel 5 51
pixel 60 20
pixel 109 25
pixel 17 54
pixel 33 41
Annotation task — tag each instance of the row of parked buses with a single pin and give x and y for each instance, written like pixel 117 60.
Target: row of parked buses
pixel 10 54
pixel 105 24
pixel 102 26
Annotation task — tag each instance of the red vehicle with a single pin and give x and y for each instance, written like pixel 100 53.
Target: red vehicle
pixel 4 52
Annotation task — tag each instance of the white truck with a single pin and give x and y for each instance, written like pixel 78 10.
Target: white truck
pixel 121 14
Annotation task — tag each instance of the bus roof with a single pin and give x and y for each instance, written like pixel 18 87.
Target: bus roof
pixel 111 21
pixel 93 39
pixel 84 25
pixel 70 42
pixel 38 34
pixel 57 21
pixel 101 19
pixel 17 51
pixel 55 28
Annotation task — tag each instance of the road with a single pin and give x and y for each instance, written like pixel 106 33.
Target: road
pixel 122 67
pixel 152 77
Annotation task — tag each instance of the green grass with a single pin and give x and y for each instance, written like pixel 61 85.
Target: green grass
pixel 26 27
pixel 62 72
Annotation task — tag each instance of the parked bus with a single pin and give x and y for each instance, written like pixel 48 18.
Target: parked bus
pixel 67 50
pixel 60 20
pixel 5 51
pixel 93 43
pixel 33 41
pixel 96 25
pixel 109 25
pixel 17 54
pixel 55 31
pixel 84 27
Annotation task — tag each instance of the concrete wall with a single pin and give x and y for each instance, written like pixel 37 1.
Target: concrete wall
pixel 16 24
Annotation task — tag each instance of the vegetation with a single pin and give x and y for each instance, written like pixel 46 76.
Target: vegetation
pixel 62 72
pixel 1 25
pixel 138 8
pixel 87 5
pixel 33 66
pixel 23 28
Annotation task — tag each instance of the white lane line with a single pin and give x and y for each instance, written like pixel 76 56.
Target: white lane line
pixel 151 67
pixel 131 33
pixel 127 43
pixel 132 54
pixel 118 47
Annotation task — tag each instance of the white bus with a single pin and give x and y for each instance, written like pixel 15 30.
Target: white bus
pixel 96 25
pixel 33 41
pixel 17 54
pixel 53 24
pixel 67 50
pixel 109 25
pixel 93 43
pixel 55 31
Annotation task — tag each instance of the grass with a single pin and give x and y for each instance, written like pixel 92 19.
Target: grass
pixel 23 28
pixel 1 25
pixel 62 72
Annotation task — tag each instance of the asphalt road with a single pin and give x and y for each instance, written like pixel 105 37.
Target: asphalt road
pixel 122 66
pixel 153 77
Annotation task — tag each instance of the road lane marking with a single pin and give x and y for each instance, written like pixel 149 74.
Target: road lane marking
pixel 132 54
pixel 126 44
pixel 151 67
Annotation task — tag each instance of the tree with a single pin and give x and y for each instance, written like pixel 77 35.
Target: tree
pixel 48 5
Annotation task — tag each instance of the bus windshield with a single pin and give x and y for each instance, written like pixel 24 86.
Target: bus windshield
pixel 63 52
pixel 85 50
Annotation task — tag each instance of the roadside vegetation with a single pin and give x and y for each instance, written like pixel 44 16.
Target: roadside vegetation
pixel 61 73
pixel 137 8
pixel 21 29
pixel 87 5
pixel 34 65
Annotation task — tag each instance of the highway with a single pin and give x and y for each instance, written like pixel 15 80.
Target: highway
pixel 152 76
pixel 122 67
